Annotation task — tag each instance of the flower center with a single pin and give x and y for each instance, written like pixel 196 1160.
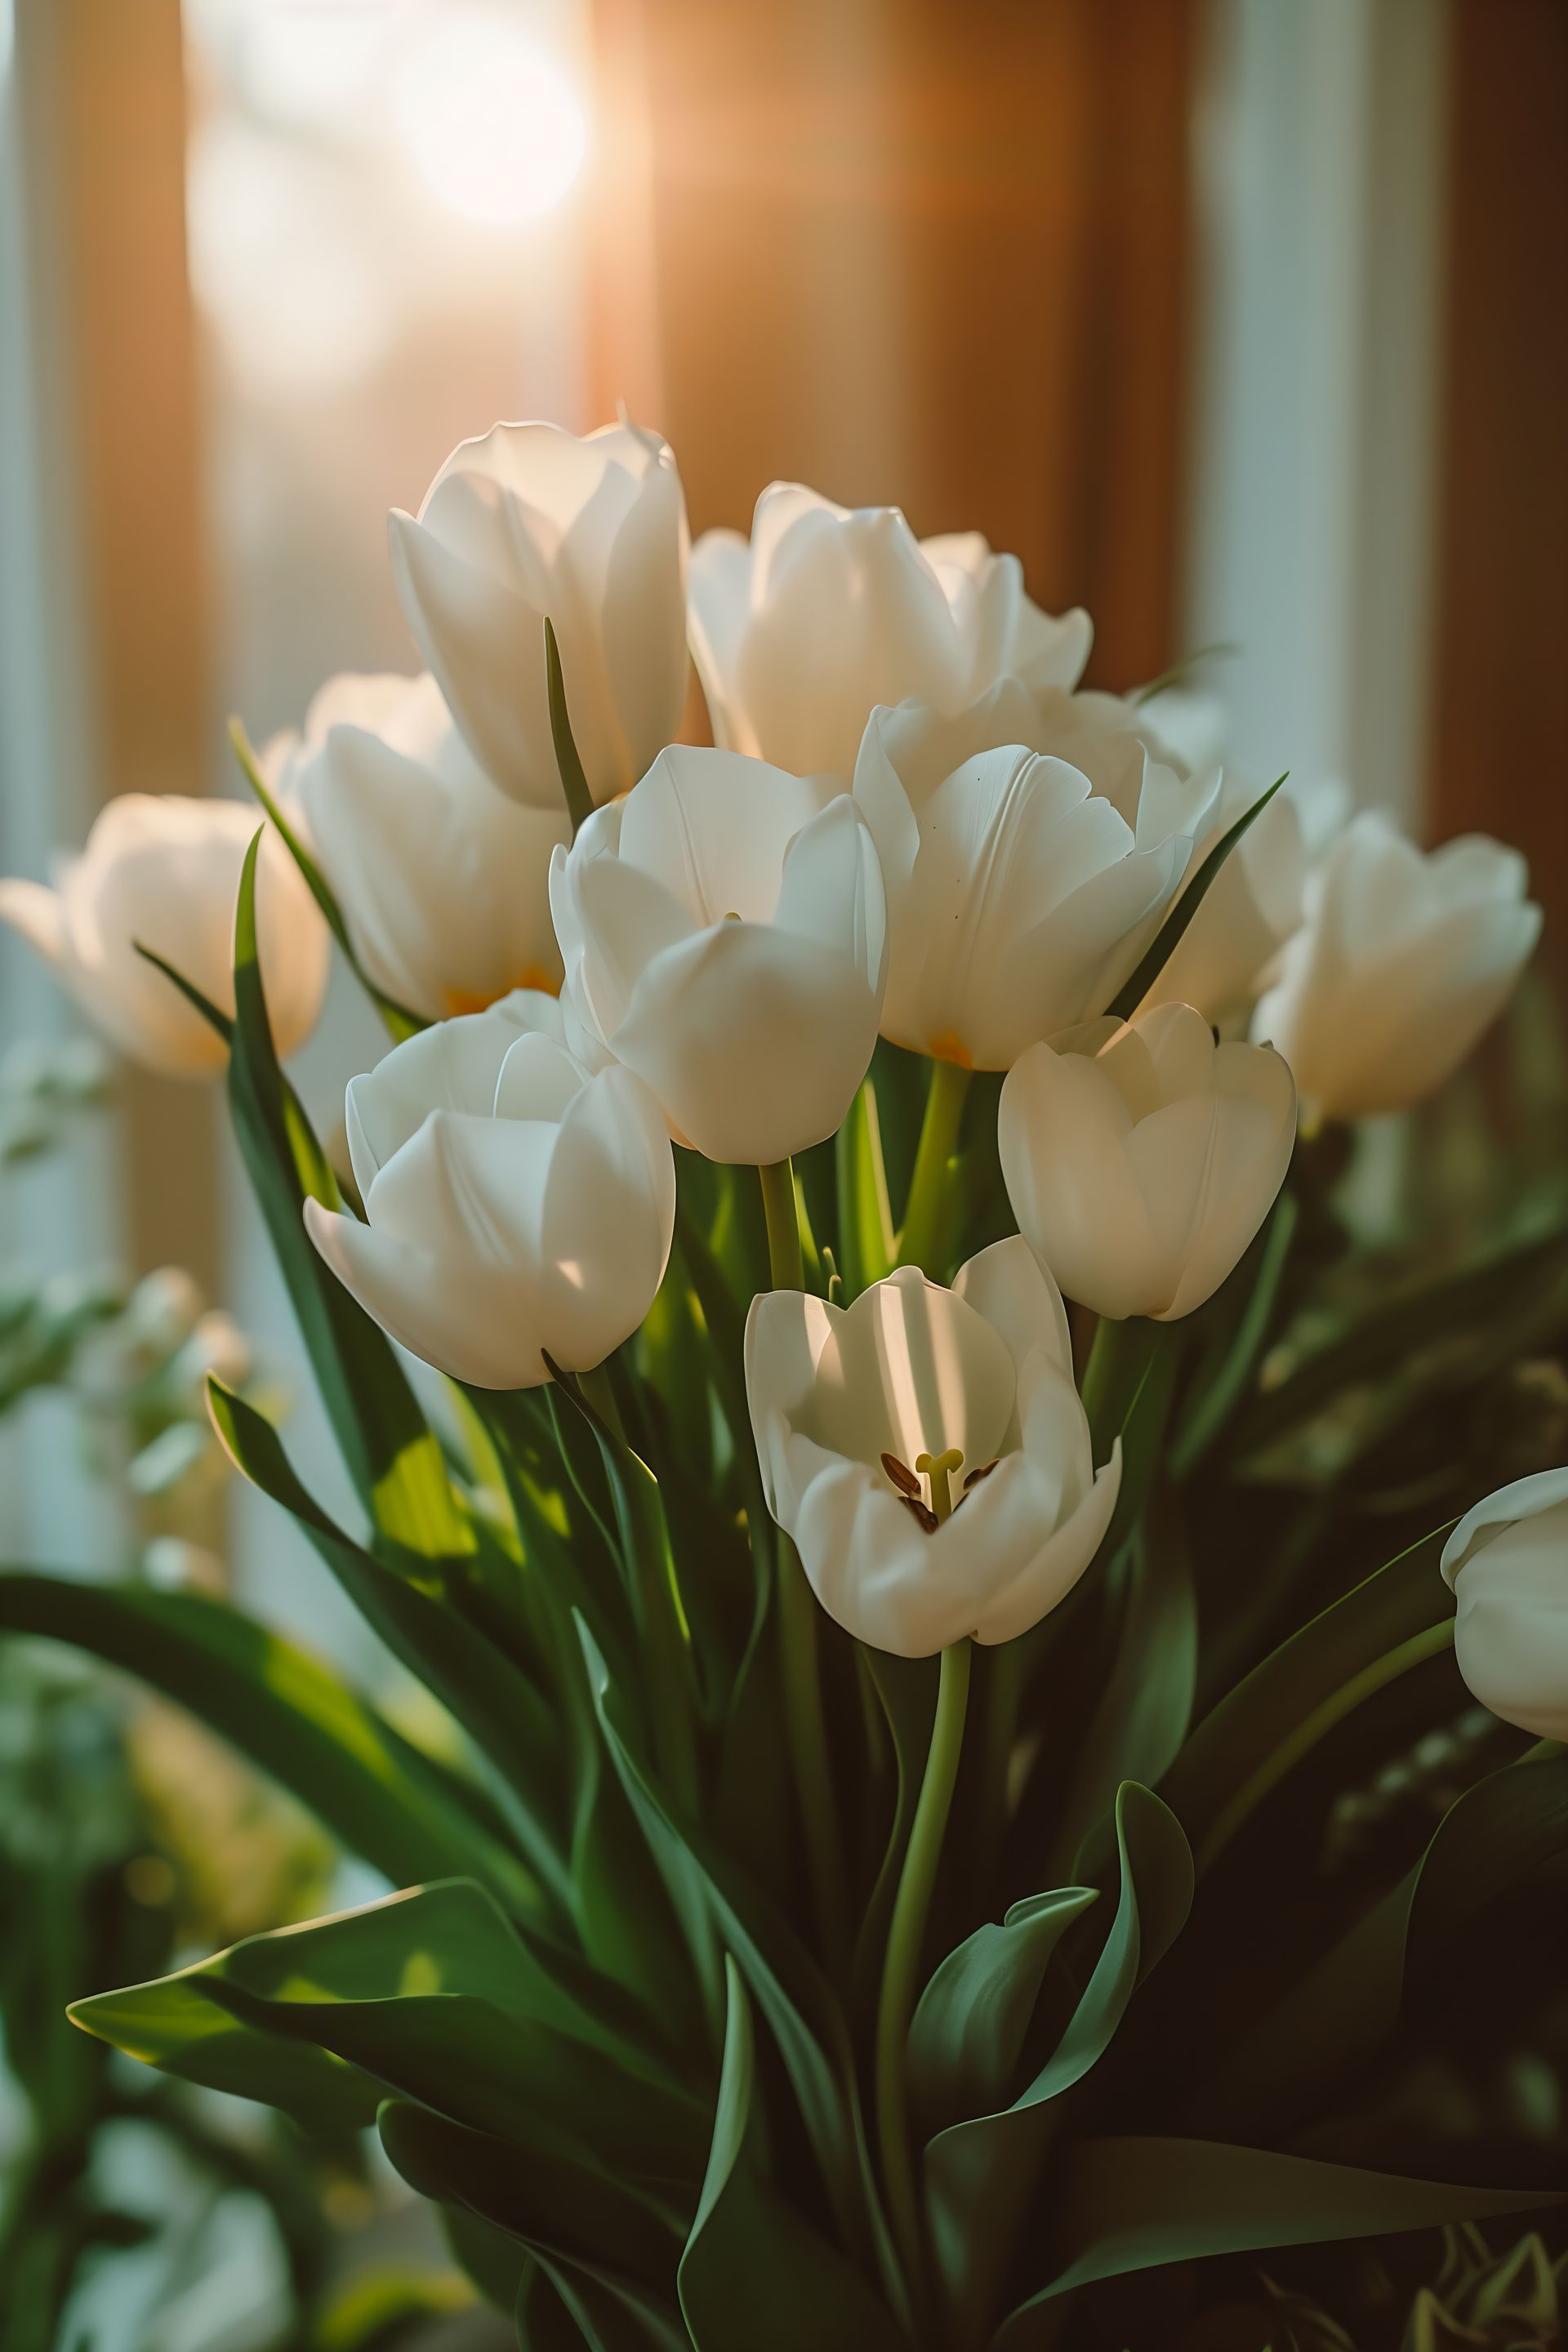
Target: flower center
pixel 936 1503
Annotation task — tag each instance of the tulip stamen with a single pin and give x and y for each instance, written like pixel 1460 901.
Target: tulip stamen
pixel 939 1469
pixel 917 1511
pixel 903 1476
pixel 973 1477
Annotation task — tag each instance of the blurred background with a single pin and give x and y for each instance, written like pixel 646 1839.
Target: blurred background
pixel 1241 321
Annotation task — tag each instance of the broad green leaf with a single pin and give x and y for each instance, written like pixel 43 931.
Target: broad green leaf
pixel 508 1718
pixel 430 1995
pixel 1130 996
pixel 1379 1345
pixel 970 2024
pixel 1132 2204
pixel 1218 1384
pixel 867 1241
pixel 287 1713
pixel 801 2012
pixel 391 1451
pixel 980 2174
pixel 400 1022
pixel 753 2271
pixel 1397 1603
pixel 1401 1955
pixel 1141 1716
pixel 574 2214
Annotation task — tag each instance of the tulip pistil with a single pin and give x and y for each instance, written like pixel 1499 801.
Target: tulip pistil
pixel 939 1469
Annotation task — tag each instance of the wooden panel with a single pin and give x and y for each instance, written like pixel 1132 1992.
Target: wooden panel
pixel 934 255
pixel 1501 623
pixel 103 87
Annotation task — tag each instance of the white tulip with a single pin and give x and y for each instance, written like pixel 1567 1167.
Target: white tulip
pixel 516 1206
pixel 724 934
pixel 1507 1562
pixel 530 521
pixel 165 872
pixel 826 611
pixel 848 1403
pixel 1405 959
pixel 1029 846
pixel 443 881
pixel 1139 1172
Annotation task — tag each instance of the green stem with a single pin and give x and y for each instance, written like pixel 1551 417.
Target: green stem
pixel 804 1727
pixel 798 1664
pixel 1004 1689
pixel 928 1187
pixel 1316 1726
pixel 785 1263
pixel 1120 1358
pixel 906 1936
pixel 664 1626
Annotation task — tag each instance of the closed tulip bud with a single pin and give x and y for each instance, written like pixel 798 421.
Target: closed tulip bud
pixel 1507 1562
pixel 1405 959
pixel 1029 850
pixel 516 1207
pixel 927 1452
pixel 1139 1172
pixel 530 523
pixel 163 873
pixel 444 882
pixel 824 612
pixel 724 936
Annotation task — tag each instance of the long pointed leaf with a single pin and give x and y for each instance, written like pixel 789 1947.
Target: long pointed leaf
pixel 287 1714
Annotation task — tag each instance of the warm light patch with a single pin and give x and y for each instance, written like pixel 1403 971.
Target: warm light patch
pixel 950 1048
pixel 492 126
pixel 458 1001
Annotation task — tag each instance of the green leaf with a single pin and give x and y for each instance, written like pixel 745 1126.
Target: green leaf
pixel 1381 1343
pixel 1218 1389
pixel 1141 1716
pixel 582 2223
pixel 1403 1953
pixel 801 2012
pixel 392 1455
pixel 213 1015
pixel 980 2174
pixel 906 1690
pixel 1243 1735
pixel 399 1020
pixel 433 1996
pixel 1130 996
pixel 287 1714
pixel 753 2270
pixel 969 2027
pixel 574 786
pixel 868 1244
pixel 1133 2204
pixel 508 1718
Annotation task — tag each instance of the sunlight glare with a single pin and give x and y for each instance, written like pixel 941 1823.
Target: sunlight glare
pixel 492 126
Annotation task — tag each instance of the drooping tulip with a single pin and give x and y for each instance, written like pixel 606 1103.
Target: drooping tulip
pixel 826 612
pixel 1029 852
pixel 528 522
pixel 163 872
pixel 927 1452
pixel 1405 959
pixel 1507 1562
pixel 444 882
pixel 516 1206
pixel 723 929
pixel 1140 1171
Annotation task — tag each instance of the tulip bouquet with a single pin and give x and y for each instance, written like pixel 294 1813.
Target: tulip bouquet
pixel 865 1194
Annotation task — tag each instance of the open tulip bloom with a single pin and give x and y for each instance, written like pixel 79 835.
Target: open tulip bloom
pixel 873 1870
